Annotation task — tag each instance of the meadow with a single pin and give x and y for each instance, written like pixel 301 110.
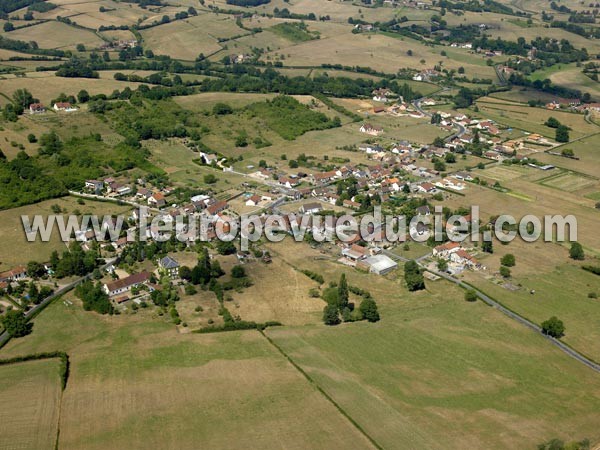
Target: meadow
pixel 447 374
pixel 135 381
pixel 30 394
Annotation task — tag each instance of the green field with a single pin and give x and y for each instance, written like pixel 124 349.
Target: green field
pixel 135 382
pixel 30 395
pixel 448 374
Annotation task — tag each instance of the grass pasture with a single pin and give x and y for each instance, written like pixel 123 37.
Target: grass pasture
pixel 448 374
pixel 30 395
pixel 136 382
pixel 55 35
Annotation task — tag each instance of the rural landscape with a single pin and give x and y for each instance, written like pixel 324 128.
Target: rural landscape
pixel 154 115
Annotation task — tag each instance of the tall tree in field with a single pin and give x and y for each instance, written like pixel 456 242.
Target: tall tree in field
pixel 343 295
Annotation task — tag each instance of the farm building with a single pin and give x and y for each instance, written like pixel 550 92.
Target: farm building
pixel 379 264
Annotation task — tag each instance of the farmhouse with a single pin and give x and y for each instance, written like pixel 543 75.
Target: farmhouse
pixel 36 108
pixel 94 186
pixel 463 258
pixel 217 207
pixel 370 129
pixel 355 252
pixel 157 200
pixel 254 200
pixel 289 182
pixel 64 106
pixel 16 274
pixel 125 284
pixel 445 250
pixel 169 266
pixel 311 208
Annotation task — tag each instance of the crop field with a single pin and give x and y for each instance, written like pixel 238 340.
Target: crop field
pixel 55 35
pixel 30 396
pixel 181 40
pixel 14 247
pixel 134 380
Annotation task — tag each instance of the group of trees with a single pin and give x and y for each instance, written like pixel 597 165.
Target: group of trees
pixel 94 298
pixel 562 131
pixel 413 276
pixel 340 308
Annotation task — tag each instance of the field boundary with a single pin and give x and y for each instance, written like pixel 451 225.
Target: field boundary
pixel 322 391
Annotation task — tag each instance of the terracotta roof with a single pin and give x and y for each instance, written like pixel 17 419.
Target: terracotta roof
pixel 131 280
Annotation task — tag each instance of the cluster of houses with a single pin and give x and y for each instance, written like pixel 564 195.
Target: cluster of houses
pixel 39 108
pixel 122 44
pixel 457 257
pixel 426 75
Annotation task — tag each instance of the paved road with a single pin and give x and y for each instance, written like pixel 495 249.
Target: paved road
pixel 490 301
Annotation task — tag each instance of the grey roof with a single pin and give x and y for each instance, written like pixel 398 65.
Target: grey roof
pixel 380 263
pixel 169 263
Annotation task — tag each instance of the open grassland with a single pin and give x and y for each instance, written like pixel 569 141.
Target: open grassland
pixel 55 35
pixel 136 382
pixel 30 396
pixel 448 374
pixel 532 119
pixel 46 86
pixel 206 101
pixel 14 247
pixel 269 298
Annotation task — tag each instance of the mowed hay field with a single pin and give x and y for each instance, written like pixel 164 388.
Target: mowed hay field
pixel 186 39
pixel 448 374
pixel 137 383
pixel 55 35
pixel 378 51
pixel 30 396
pixel 14 247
